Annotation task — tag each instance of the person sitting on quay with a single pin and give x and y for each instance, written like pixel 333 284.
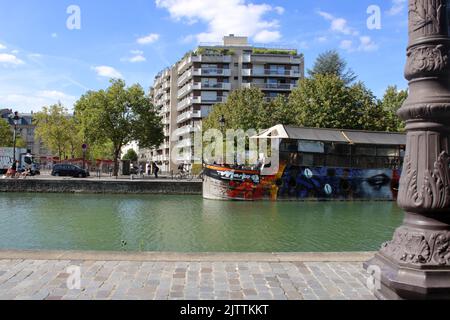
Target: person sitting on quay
pixel 12 172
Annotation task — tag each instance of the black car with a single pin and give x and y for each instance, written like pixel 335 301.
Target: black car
pixel 69 170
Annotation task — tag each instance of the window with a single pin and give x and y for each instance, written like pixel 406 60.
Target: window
pixel 311 146
pixel 366 151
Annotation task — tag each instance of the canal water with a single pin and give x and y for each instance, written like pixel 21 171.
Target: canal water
pixel 191 224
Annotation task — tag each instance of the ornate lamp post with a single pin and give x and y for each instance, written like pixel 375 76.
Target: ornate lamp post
pixel 416 263
pixel 16 120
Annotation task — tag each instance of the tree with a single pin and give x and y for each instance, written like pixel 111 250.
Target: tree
pixel 331 63
pixel 57 131
pixel 392 100
pixel 119 115
pixel 7 136
pixel 326 102
pixel 131 155
pixel 244 109
pixel 5 133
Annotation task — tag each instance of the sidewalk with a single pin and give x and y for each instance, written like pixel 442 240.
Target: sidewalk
pixel 162 276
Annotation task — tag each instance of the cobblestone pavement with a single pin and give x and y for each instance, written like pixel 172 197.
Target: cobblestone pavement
pixel 137 280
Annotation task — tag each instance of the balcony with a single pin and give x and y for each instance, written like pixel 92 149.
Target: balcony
pixel 188 89
pixel 212 72
pixel 247 72
pixel 188 62
pixel 183 104
pixel 166 121
pixel 187 158
pixel 215 86
pixel 276 73
pixel 271 86
pixel 189 115
pixel 165 109
pixel 247 58
pixel 185 143
pixel 186 130
pixel 184 78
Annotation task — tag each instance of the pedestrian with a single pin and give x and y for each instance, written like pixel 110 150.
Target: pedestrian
pixel 12 171
pixel 155 170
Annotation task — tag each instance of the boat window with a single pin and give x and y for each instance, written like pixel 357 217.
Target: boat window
pixel 311 146
pixel 366 151
pixel 387 152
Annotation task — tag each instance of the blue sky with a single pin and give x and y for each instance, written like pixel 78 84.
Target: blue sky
pixel 43 61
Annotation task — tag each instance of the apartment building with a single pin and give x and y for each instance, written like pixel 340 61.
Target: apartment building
pixel 186 93
pixel 26 130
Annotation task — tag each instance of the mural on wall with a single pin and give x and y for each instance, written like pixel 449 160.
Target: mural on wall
pixel 302 183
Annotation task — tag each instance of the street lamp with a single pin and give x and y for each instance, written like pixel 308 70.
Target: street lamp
pixel 16 120
pixel 416 263
pixel 222 122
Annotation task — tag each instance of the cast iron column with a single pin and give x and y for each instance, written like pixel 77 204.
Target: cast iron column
pixel 416 263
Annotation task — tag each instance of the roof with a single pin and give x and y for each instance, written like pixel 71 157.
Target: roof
pixel 334 135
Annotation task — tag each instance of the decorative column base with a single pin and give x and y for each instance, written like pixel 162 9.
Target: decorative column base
pixel 416 263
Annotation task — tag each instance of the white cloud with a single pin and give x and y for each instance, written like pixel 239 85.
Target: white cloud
pixel 279 10
pixel 339 25
pixel 10 59
pixel 321 39
pixel 2 47
pixel 397 7
pixel 107 72
pixel 35 100
pixel 54 35
pixel 137 56
pixel 366 44
pixel 267 36
pixel 346 45
pixel 153 37
pixel 224 17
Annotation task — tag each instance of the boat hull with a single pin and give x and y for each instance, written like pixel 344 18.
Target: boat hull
pixel 301 183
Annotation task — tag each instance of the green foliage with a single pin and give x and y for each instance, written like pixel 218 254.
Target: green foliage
pixel 131 155
pixel 392 100
pixel 217 51
pixel 324 101
pixel 119 115
pixel 244 109
pixel 274 51
pixel 5 133
pixel 7 136
pixel 58 131
pixel 331 63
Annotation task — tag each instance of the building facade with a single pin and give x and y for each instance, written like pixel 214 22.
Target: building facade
pixel 186 93
pixel 26 130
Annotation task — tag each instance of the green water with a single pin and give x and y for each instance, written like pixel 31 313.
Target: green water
pixel 191 224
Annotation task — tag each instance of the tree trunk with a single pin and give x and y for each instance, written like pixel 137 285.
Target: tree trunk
pixel 116 162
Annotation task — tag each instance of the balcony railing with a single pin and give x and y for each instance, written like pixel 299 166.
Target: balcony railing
pixel 212 72
pixel 268 72
pixel 183 104
pixel 186 130
pixel 189 115
pixel 270 86
pixel 185 77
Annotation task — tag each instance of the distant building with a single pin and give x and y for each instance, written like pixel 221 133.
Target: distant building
pixel 185 93
pixel 26 130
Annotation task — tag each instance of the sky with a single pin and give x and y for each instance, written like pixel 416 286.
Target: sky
pixel 56 50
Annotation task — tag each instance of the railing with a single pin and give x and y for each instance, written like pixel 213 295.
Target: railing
pixel 189 115
pixel 212 72
pixel 186 76
pixel 270 86
pixel 183 104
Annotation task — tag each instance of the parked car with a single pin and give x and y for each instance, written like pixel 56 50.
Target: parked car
pixel 69 170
